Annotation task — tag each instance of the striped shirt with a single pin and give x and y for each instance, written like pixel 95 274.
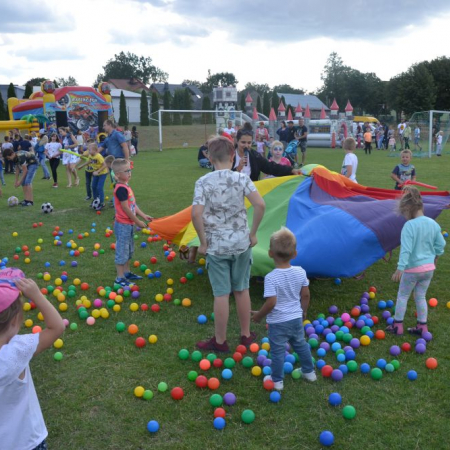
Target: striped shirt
pixel 285 285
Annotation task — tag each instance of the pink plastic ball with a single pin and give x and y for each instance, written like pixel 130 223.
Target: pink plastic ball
pixel 95 254
pixel 345 317
pixel 98 303
pixel 90 320
pixel 66 322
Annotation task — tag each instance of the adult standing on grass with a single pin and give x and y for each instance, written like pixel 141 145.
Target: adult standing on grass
pixel 53 153
pixel 40 153
pixel 115 144
pixel 251 163
pixel 302 136
pixel 283 133
pixel 135 138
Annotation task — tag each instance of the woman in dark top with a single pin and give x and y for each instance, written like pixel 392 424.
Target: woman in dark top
pixel 283 133
pixel 251 163
pixel 135 138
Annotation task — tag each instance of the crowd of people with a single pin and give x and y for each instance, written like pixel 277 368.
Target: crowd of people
pixel 22 155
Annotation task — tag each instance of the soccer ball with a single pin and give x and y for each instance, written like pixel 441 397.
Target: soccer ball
pixel 96 204
pixel 13 201
pixel 47 208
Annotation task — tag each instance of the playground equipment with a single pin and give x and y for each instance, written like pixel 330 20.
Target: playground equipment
pixel 72 106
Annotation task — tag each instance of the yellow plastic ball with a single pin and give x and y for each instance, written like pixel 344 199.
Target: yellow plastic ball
pixel 153 339
pixel 83 298
pixel 63 307
pixel 256 371
pixel 106 198
pixel 147 271
pixel 306 322
pixel 40 316
pixel 37 248
pixel 76 282
pixel 74 245
pixel 56 292
pixel 95 313
pixel 87 303
pixel 81 249
pixel 96 246
pixel 58 282
pixel 202 261
pixel 61 297
pixel 186 302
pixel 134 307
pixel 448 305
pixel 47 277
pixel 15 234
pixel 118 299
pixel 116 308
pixel 40 241
pixel 169 291
pixel 78 302
pixel 159 297
pixel 28 323
pixel 265 346
pixel 102 292
pixel 26 306
pixel 365 340
pixel 169 281
pixel 55 242
pixel 58 343
pixel 86 234
pixel 139 391
pixel 27 260
pixel 104 313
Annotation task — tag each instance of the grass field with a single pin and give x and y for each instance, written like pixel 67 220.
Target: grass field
pixel 87 397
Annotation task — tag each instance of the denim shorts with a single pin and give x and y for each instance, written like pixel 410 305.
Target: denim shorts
pixel 31 172
pixel 229 272
pixel 302 145
pixel 124 242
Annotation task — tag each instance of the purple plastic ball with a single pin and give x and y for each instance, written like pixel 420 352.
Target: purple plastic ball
pixel 337 375
pixel 333 309
pixel 310 331
pixel 260 360
pixel 330 320
pixel 325 345
pixel 360 323
pixel 267 362
pixel 421 341
pixel 365 295
pixel 421 348
pixel 355 343
pixel 74 264
pixel 352 321
pixel 365 309
pixel 348 348
pixel 386 314
pixel 135 294
pixel 395 350
pixel 314 336
pixel 427 336
pixel 326 331
pixel 363 301
pixel 229 399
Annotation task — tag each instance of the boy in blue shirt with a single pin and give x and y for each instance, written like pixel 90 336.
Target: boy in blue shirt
pixel 404 171
pixel 287 298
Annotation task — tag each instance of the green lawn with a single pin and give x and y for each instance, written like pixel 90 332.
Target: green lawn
pixel 87 398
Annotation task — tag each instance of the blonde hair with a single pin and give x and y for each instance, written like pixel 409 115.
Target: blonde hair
pixel 349 144
pixel 410 203
pixel 276 144
pixel 119 164
pixel 92 145
pixel 406 151
pixel 283 244
pixel 43 140
pixel 9 313
pixel 220 148
pixel 109 160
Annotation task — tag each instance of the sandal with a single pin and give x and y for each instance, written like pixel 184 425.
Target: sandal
pixel 415 330
pixel 396 328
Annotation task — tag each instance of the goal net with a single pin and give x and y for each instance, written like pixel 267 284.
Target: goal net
pixel 188 128
pixel 430 132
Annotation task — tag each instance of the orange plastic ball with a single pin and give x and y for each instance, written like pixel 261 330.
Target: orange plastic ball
pixel 213 384
pixel 380 334
pixel 133 329
pixel 205 364
pixel 36 329
pixel 431 363
pixel 355 312
pixel 433 302
pixel 254 347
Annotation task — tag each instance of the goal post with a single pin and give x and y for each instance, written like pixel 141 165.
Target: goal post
pixel 193 126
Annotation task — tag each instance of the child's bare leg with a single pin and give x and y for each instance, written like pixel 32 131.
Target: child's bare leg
pixel 192 255
pixel 221 314
pixel 243 307
pixel 28 193
pixel 120 270
pixel 69 175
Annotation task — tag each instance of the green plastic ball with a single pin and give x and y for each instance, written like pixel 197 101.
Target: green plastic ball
pixel 190 276
pixel 396 364
pixel 74 326
pixel 248 416
pixel 211 357
pixel 389 368
pixel 83 315
pixel 192 375
pixel 212 317
pixel 71 293
pixel 352 366
pixel 183 354
pixel 58 356
pixel 296 374
pixel 72 288
pixel 18 250
pixel 215 400
pixel 196 356
pixel 177 302
pixel 376 374
pixel 135 237
pixel 102 251
pixel 321 316
pixel 50 289
pixel 229 363
pixel 162 387
pixel 339 351
pixel 339 335
pixel 365 329
pixel 339 322
pixel 120 327
pixel 40 275
pixel 148 395
pixel 347 337
pixel 313 343
pixel 349 412
pixel 247 362
pixel 143 267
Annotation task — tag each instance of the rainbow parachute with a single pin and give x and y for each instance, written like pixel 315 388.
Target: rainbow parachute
pixel 341 227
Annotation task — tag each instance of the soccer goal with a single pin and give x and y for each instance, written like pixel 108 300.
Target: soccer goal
pixel 191 128
pixel 426 127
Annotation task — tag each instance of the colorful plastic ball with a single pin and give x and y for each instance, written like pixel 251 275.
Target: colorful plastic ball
pixel 431 363
pixel 229 363
pixel 365 340
pixel 337 375
pixel 58 343
pixel 152 339
pixel 153 426
pixel 148 394
pixel 219 423
pixel 177 393
pixel 247 416
pixel 365 368
pixel 192 375
pixel 275 397
pixel 139 391
pixel 327 371
pixel 380 334
pixel 155 308
pixel 427 336
pixel 256 371
pixel 395 350
pixel 90 321
pixel 352 366
pixel 202 319
pixel 183 354
pixel 215 400
pixel 326 438
pixel 348 412
pixel 58 356
pixel 227 374
pixel 196 356
pixel 376 374
pixel 140 342
pixel 73 326
pixel 247 362
pixel 337 281
pixel 162 386
pixel 420 348
pixel 412 375
pixel 381 364
pixel 201 381
pixel 389 368
pixel 334 399
pixel 205 364
pixel 229 399
pixel 219 412
pixel 433 302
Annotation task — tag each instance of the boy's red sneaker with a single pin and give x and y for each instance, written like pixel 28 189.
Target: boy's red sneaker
pixel 211 344
pixel 247 340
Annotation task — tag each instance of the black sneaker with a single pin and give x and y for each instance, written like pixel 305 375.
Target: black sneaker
pixel 122 282
pixel 132 276
pixel 26 203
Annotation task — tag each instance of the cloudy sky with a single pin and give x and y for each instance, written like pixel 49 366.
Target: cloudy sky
pixel 261 41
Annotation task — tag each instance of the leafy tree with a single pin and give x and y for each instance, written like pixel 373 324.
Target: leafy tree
pixel 3 109
pixel 243 95
pixel 35 81
pixel 220 79
pixel 439 69
pixel 193 83
pixel 144 119
pixel 155 109
pixel 266 104
pixel 166 117
pixel 177 102
pixel 11 91
pixel 69 81
pixel 128 65
pixel 288 89
pixel 261 89
pixel 56 84
pixel 28 91
pixel 187 104
pixel 258 104
pixel 284 102
pixel 123 116
pixel 275 101
pixel 206 105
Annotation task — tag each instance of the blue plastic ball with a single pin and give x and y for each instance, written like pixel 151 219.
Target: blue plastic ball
pixel 69 245
pixel 201 319
pixel 275 397
pixel 62 263
pixel 267 370
pixel 412 375
pixel 390 321
pixel 343 368
pixel 72 252
pixel 200 271
pixel 151 275
pixel 381 364
pixel 336 346
pixel 143 244
pixel 288 367
pixel 337 281
pixel 321 352
pixel 320 363
pixel 92 230
pixel 94 224
pixel 227 374
pixel 158 274
pixel 365 368
pixel 326 438
pixel 381 304
pixel 166 253
pixel 219 423
pixel 289 358
pixel 331 337
pixel 47 264
pixel 74 264
pixel 340 357
pixel 153 426
pixel 335 399
pixel 264 340
pixel 349 355
pixel 389 304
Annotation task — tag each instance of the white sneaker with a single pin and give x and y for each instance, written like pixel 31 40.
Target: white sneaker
pixel 277 385
pixel 308 376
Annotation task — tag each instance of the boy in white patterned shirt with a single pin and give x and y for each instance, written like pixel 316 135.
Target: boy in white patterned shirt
pixel 287 298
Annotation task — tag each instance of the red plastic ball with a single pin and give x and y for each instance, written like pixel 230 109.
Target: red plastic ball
pixel 35 225
pixel 217 363
pixel 80 236
pixel 144 307
pixel 204 364
pixel 177 393
pixel 268 385
pixel 167 297
pixel 155 308
pixel 431 363
pixel 219 412
pixel 241 349
pixel 375 319
pixel 140 342
pixel 373 289
pixel 327 371
pixel 380 334
pixel 135 287
pixel 16 257
pixel 84 286
pixel 355 312
pixel 348 325
pixel 169 258
pixel 40 224
pixel 153 260
pixel 406 347
pixel 25 248
pixel 183 280
pixel 237 356
pixel 201 381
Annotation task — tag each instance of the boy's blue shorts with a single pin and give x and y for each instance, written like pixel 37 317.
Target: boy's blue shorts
pixel 124 242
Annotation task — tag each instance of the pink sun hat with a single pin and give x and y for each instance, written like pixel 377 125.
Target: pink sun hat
pixel 8 290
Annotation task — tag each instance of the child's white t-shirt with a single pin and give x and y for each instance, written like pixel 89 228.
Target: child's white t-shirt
pixel 350 160
pixel 22 425
pixel 286 285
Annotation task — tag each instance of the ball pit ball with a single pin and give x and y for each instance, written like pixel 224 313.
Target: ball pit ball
pixel 365 368
pixel 380 334
pixel 412 375
pixel 326 438
pixel 186 302
pixel 420 348
pixel 155 308
pixel 140 342
pixel 219 423
pixel 134 307
pixel 58 356
pixel 227 374
pixel 152 339
pixel 162 386
pixel 213 384
pixel 196 356
pixel 395 350
pixel 247 362
pixel 327 371
pixel 237 356
pixel 433 302
pixel 201 381
pixel 406 347
pixel 268 384
pixel 348 412
pixel 431 363
pixel 427 336
pixel 139 391
pixel 153 425
pixel 335 399
pixel 229 399
pixel 73 326
pixel 148 394
pixel 205 364
pixel 183 354
pixel 133 329
pixel 275 397
pixel 376 374
pixel 256 371
pixel 215 400
pixel 192 375
pixel 36 329
pixel 202 319
pixel 218 363
pixel 247 416
pixel 177 393
pixel 365 340
pixel 90 321
pixel 337 375
pixel 58 343
pixel 219 412
pixel 389 368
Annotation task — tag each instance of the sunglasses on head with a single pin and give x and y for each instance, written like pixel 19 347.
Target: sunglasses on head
pixel 278 148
